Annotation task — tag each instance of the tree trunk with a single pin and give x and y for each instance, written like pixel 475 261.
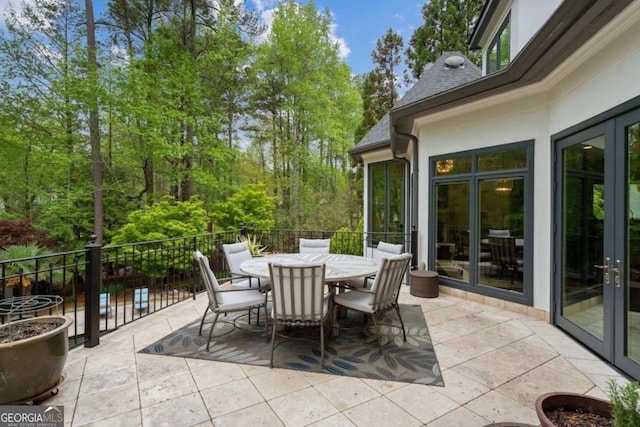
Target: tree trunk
pixel 94 127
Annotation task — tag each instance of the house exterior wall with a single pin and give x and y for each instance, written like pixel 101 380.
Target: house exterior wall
pixel 607 78
pixel 527 17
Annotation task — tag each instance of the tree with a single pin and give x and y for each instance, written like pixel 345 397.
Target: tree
pixel 164 220
pixel 94 126
pixel 250 206
pixel 380 87
pixel 448 25
pixel 305 111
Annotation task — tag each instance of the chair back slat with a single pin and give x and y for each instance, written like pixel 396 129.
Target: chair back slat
pixel 386 286
pixel 298 292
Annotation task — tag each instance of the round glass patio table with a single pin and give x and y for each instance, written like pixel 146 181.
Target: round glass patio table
pixel 338 267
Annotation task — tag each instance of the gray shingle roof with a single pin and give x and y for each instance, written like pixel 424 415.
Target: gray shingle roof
pixel 438 78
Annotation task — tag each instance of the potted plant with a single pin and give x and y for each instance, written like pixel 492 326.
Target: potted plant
pixel 624 402
pixel 569 409
pixel 33 351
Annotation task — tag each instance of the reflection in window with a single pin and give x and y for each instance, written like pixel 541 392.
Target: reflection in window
pixel 386 200
pixel 498 55
pixel 452 228
pixel 501 233
pixel 483 204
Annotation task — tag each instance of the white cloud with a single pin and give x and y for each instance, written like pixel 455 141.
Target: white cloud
pixel 343 47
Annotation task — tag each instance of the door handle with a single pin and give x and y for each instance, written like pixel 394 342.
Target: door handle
pixel 605 269
pixel 616 273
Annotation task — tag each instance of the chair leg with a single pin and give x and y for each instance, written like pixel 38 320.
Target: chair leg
pixel 211 331
pixel 202 321
pixel 321 345
pixel 404 334
pixel 375 326
pixel 273 340
pixel 257 317
pixel 266 320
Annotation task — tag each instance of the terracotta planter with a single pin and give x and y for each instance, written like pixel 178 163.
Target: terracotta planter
pixel 31 367
pixel 569 401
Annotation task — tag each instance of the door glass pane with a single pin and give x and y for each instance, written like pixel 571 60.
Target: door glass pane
pixel 452 230
pixel 396 198
pixel 376 205
pixel 501 234
pixel 583 235
pixel 633 243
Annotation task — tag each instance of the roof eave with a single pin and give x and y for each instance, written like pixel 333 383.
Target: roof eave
pixel 571 25
pixel 487 12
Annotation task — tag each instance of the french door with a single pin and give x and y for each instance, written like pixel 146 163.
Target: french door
pixel 597 239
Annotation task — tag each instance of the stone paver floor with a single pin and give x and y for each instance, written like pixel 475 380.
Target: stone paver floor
pixel 494 363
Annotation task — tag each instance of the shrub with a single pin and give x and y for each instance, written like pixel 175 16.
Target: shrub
pixel 624 401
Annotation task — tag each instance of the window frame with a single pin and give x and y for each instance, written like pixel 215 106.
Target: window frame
pixel 496 42
pixel 474 178
pixel 372 242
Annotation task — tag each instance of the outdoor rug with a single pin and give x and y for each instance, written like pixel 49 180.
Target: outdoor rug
pixel 353 353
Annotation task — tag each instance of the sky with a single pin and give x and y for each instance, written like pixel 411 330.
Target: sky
pixel 357 23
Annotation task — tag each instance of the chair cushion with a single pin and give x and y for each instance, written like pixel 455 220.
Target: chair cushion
pixel 355 300
pixel 364 282
pixel 385 249
pixel 315 246
pixel 234 301
pixel 500 233
pixel 236 254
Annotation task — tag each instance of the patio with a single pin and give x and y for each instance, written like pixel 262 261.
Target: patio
pixel 494 361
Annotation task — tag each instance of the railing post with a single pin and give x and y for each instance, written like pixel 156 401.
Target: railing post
pixel 244 230
pixel 93 283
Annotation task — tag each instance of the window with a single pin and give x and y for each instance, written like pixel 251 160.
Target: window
pixel 386 200
pixel 481 226
pixel 498 54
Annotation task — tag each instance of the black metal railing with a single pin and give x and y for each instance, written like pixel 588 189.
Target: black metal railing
pixel 165 268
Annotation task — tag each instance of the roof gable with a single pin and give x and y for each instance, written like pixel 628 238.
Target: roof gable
pixel 438 78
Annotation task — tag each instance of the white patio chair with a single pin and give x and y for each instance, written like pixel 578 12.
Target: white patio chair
pixel 141 299
pixel 314 246
pixel 227 300
pixel 383 294
pixel 384 250
pixel 298 298
pixel 105 304
pixel 236 254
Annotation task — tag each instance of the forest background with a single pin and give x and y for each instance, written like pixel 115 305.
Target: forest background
pixel 190 108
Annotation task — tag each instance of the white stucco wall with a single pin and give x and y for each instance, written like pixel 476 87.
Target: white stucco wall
pixel 607 77
pixel 527 17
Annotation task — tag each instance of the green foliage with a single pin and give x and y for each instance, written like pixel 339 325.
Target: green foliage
pixel 624 400
pixel 250 206
pixel 23 263
pixel 255 244
pixel 345 241
pixel 163 220
pixel 448 25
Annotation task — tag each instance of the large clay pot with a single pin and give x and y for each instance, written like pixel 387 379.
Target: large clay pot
pixel 570 401
pixel 31 367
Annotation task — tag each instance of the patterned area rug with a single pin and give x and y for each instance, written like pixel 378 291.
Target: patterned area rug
pixel 353 353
